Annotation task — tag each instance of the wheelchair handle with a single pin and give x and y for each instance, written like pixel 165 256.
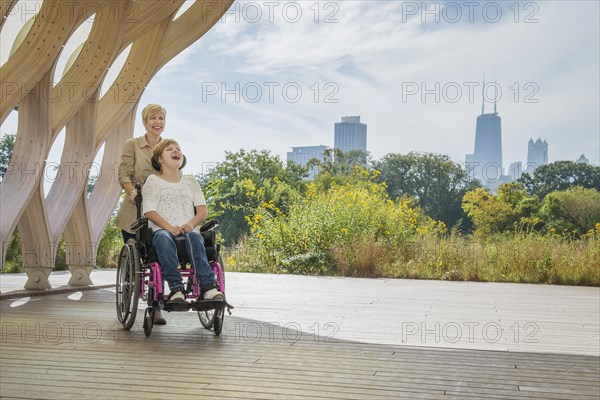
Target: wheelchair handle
pixel 138 200
pixel 139 223
pixel 207 226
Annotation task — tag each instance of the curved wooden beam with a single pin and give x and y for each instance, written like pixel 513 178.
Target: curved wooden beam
pixel 137 18
pixel 40 49
pixel 141 66
pixel 85 76
pixel 191 26
pixel 127 89
pixel 5 8
pixel 144 15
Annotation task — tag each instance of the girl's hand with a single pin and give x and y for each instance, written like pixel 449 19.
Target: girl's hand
pixel 175 230
pixel 187 227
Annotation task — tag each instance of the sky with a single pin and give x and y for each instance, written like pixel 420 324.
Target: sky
pixel 278 74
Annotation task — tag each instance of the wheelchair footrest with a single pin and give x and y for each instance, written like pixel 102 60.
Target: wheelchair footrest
pixel 202 305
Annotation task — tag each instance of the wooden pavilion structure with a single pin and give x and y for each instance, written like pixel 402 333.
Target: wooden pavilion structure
pixel 46 105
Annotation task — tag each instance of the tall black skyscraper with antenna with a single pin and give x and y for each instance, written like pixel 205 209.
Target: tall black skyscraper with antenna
pixel 485 163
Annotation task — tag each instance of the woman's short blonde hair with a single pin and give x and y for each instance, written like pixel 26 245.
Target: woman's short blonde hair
pixel 152 109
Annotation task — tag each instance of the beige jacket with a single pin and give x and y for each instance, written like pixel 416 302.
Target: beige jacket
pixel 134 167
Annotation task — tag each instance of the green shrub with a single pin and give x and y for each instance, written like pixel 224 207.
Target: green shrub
pixel 109 246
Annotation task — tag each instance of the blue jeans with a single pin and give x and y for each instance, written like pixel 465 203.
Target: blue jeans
pixel 166 249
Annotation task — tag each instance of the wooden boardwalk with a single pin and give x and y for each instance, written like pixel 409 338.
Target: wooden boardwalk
pixel 313 338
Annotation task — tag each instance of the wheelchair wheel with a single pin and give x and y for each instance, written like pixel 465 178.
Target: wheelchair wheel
pixel 207 318
pixel 128 284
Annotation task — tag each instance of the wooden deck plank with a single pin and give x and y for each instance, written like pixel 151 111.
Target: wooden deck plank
pixel 426 360
pixel 328 378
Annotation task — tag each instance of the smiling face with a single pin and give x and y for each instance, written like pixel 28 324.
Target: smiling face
pixel 155 124
pixel 171 156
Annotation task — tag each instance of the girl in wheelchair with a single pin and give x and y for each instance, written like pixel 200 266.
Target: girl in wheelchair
pixel 174 205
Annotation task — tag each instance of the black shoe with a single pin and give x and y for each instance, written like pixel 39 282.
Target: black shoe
pixel 158 318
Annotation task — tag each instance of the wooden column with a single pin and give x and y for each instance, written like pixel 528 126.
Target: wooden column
pixel 22 195
pixel 71 197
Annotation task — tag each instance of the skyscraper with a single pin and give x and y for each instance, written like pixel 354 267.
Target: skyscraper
pixel 537 154
pixel 350 134
pixel 302 155
pixel 515 170
pixel 485 163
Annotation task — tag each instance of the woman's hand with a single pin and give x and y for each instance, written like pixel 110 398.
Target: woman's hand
pixel 132 196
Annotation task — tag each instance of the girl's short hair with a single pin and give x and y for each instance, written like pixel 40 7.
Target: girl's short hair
pixel 152 109
pixel 161 146
pixel 159 149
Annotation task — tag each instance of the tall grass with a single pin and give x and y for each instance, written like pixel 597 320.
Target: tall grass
pixel 518 258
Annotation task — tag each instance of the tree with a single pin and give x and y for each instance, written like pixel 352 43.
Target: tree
pixel 490 214
pixel 435 181
pixel 573 212
pixel 243 182
pixel 337 167
pixel 337 162
pixel 512 193
pixel 13 253
pixel 561 175
pixel 511 210
pixel 7 143
pixel 92 180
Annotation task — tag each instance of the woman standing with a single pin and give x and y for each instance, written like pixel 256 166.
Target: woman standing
pixel 135 166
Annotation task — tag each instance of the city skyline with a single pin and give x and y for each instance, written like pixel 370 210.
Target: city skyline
pixel 280 81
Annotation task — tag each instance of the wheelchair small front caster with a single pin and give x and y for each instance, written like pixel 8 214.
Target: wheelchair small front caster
pixel 218 325
pixel 148 321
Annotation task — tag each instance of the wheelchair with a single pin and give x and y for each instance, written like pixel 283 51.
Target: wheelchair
pixel 139 275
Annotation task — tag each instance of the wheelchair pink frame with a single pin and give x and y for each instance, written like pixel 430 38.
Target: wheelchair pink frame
pixel 153 278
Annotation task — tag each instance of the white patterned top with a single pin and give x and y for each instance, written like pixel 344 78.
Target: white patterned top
pixel 175 202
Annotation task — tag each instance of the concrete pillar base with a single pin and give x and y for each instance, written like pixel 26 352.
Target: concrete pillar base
pixel 37 278
pixel 80 275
